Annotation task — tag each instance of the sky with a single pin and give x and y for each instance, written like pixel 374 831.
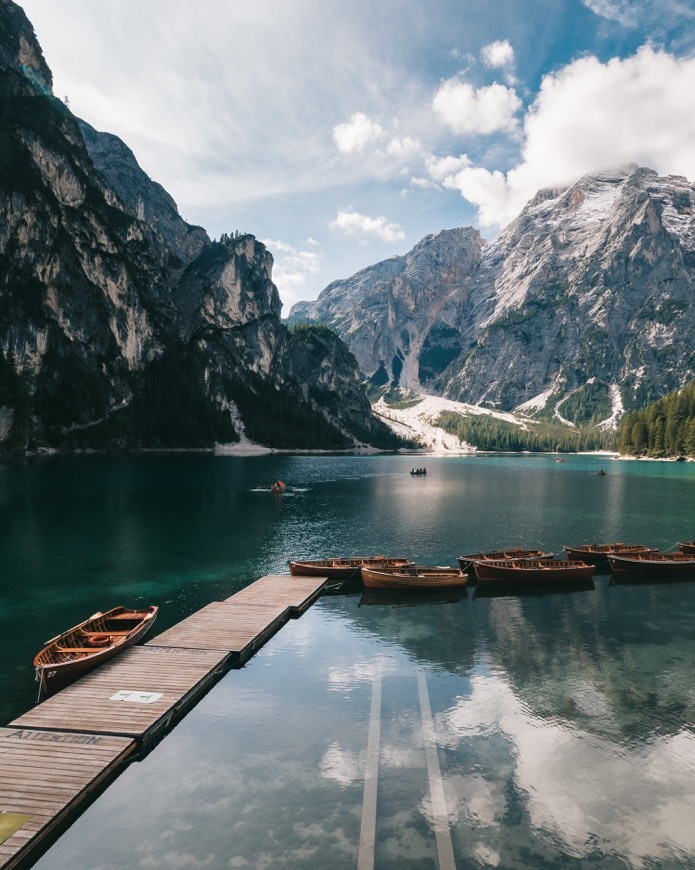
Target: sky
pixel 341 133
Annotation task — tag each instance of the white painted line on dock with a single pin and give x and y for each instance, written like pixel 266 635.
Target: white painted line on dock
pixel 365 857
pixel 445 848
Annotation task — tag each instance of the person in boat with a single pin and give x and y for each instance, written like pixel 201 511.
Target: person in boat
pixel 278 486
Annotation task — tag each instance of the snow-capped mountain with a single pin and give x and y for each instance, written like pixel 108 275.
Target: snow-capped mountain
pixel 581 308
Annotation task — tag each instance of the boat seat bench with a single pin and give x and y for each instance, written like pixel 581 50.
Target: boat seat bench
pixel 75 649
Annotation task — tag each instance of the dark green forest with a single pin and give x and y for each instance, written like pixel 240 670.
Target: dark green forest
pixel 665 428
pixel 489 433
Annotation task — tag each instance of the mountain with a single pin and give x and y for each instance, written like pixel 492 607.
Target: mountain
pixel 123 326
pixel 581 309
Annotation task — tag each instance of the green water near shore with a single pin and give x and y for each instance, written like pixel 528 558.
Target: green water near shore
pixel 564 722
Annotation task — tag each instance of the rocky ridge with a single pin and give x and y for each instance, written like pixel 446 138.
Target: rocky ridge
pixel 581 308
pixel 123 326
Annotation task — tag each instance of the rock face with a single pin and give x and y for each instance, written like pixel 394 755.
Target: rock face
pixel 121 324
pixel 401 318
pixel 581 308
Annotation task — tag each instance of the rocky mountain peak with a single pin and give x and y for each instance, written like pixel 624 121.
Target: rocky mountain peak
pixel 20 51
pixel 581 308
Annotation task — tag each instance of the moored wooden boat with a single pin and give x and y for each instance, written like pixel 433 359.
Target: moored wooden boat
pixel 653 563
pixel 532 570
pixel 80 649
pixel 413 577
pixel 687 547
pixel 342 569
pixel 597 554
pixel 466 562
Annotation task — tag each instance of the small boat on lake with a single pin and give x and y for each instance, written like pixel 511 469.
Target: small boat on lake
pixel 416 471
pixel 73 653
pixel 513 553
pixel 597 554
pixel 278 487
pixel 653 563
pixel 532 570
pixel 343 569
pixel 413 577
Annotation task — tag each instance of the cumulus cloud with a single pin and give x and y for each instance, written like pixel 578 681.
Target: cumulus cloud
pixel 622 11
pixel 405 148
pixel 468 111
pixel 587 117
pixel 353 223
pixel 292 267
pixel 500 55
pixel 356 133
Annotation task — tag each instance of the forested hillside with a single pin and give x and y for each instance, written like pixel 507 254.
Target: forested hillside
pixel 666 428
pixel 489 433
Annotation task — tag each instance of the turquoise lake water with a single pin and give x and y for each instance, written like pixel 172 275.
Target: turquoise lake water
pixel 563 723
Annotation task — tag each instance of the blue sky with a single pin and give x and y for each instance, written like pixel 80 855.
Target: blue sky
pixel 340 133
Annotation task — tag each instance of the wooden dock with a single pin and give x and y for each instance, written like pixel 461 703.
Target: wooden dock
pixel 45 777
pixel 54 757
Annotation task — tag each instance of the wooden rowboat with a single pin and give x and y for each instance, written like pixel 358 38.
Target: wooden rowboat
pixel 413 577
pixel 653 563
pixel 597 554
pixel 687 547
pixel 513 553
pixel 533 570
pixel 80 649
pixel 343 569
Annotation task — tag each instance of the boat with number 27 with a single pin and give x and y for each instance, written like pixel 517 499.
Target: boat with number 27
pixel 73 653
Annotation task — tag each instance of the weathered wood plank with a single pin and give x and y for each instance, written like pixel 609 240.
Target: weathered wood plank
pixel 225 626
pixel 176 676
pixel 50 785
pixel 296 593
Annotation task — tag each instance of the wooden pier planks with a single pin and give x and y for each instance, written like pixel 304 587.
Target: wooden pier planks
pixel 238 630
pixel 178 676
pixel 44 775
pixel 243 622
pixel 53 757
pixel 296 593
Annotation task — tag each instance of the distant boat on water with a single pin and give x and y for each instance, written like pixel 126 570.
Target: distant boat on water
pixel 533 570
pixel 413 577
pixel 512 553
pixel 597 554
pixel 653 563
pixel 343 569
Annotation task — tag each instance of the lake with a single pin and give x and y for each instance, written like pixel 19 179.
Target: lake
pixel 558 726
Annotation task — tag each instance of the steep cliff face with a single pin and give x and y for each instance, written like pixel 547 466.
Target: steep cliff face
pixel 581 308
pixel 120 324
pixel 401 317
pixel 593 293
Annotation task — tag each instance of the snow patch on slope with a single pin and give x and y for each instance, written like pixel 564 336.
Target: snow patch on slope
pixel 418 422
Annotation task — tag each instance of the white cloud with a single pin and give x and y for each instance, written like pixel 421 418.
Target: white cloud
pixel 405 148
pixel 467 111
pixel 588 117
pixel 356 133
pixel 622 11
pixel 292 266
pixel 354 223
pixel 498 54
pixel 441 168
